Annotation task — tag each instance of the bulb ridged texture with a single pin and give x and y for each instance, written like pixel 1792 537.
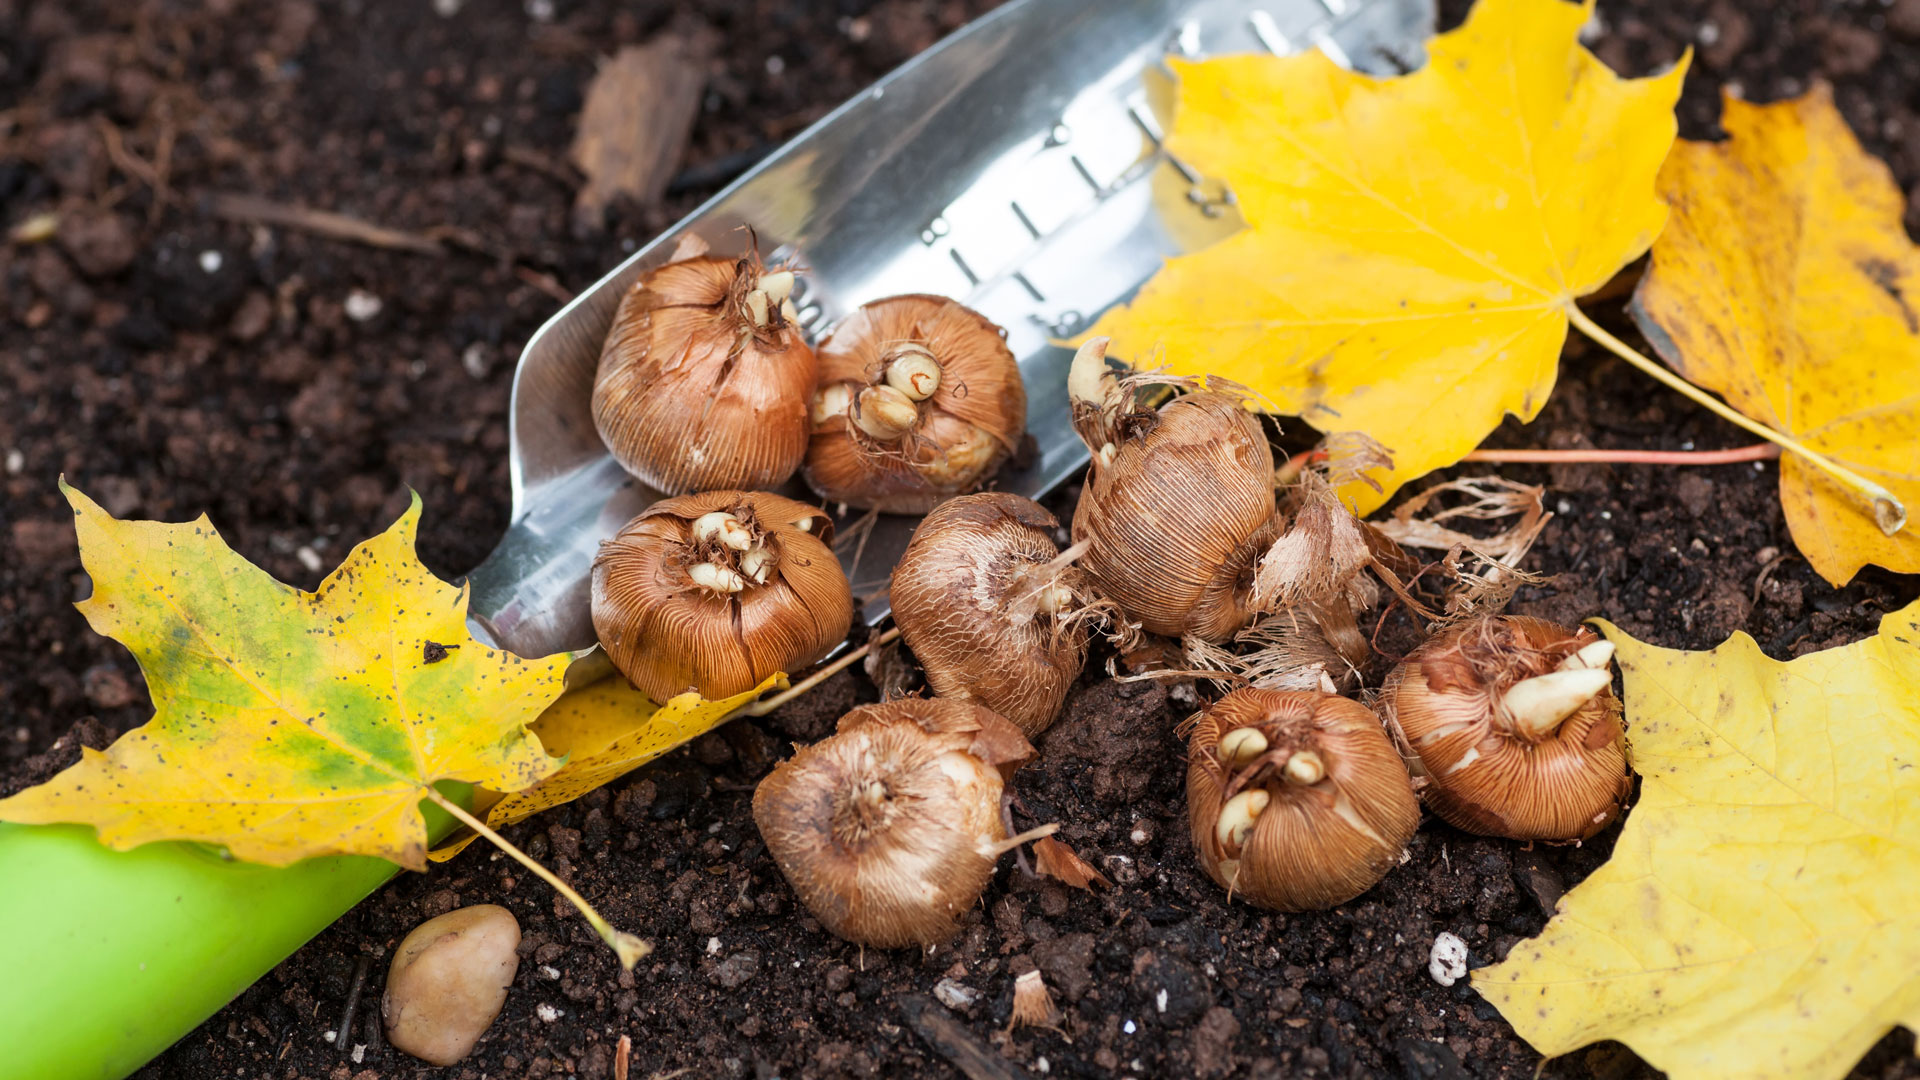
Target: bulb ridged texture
pixel 966 596
pixel 1180 517
pixel 1312 845
pixel 890 828
pixel 667 633
pixel 972 421
pixel 1485 775
pixel 690 394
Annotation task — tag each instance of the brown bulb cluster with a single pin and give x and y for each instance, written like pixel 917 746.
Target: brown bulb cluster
pixel 704 377
pixel 1297 799
pixel 919 399
pixel 890 828
pixel 985 603
pixel 717 591
pixel 1178 506
pixel 1510 726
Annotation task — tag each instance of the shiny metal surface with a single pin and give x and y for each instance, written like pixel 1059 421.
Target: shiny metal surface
pixel 1014 167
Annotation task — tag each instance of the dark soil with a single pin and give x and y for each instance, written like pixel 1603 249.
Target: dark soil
pixel 171 364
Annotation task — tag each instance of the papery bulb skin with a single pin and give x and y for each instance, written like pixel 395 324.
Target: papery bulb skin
pixel 1298 801
pixel 1178 506
pixel 715 592
pixel 704 379
pixel 985 610
pixel 1510 725
pixel 890 828
pixel 919 399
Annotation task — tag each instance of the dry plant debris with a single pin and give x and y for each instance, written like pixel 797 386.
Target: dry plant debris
pixel 633 130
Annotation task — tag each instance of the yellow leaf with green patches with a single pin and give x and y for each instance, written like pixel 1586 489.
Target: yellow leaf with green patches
pixel 1414 245
pixel 290 724
pixel 605 731
pixel 1758 918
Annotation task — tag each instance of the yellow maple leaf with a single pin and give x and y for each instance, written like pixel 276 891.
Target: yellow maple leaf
pixel 606 730
pixel 290 724
pixel 1786 283
pixel 1758 917
pixel 1415 244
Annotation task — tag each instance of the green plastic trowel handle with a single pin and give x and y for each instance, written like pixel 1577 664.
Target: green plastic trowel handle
pixel 107 958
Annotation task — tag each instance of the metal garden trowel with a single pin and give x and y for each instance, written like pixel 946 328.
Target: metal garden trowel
pixel 1017 167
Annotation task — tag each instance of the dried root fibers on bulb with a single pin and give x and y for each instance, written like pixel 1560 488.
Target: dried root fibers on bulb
pixel 715 592
pixel 1297 799
pixel 1511 728
pixel 891 827
pixel 1178 506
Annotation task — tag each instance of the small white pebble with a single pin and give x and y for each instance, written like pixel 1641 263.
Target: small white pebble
pixel 540 10
pixel 1708 33
pixel 1759 466
pixel 1606 515
pixel 359 1053
pixel 713 946
pixel 547 1012
pixel 1182 695
pixel 1043 1064
pixel 1766 555
pixel 955 995
pixel 1563 507
pixel 309 558
pixel 549 971
pixel 1447 962
pixel 362 305
pixel 1138 836
pixel 1129 1028
pixel 1160 1000
pixel 1688 445
pixel 211 260
pixel 776 65
pixel 476 360
pixel 15 462
pixel 331 1035
pixel 447 9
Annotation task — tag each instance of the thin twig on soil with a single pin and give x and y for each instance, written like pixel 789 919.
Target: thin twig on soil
pixel 343 1037
pixel 1756 452
pixel 545 283
pixel 254 210
pixel 933 1023
pixel 762 708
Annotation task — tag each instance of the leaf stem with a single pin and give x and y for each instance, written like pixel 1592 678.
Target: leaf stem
pixel 1888 512
pixel 629 948
pixel 762 708
pixel 1756 452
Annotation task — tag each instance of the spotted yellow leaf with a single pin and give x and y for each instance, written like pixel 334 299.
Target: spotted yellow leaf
pixel 1414 244
pixel 1758 918
pixel 604 730
pixel 1786 283
pixel 290 724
